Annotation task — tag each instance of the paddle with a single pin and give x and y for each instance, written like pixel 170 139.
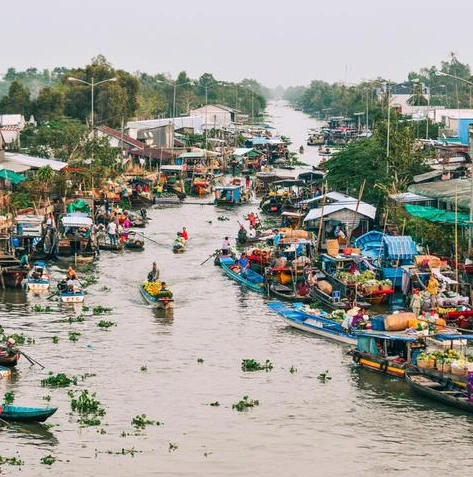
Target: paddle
pixel 31 360
pixel 210 256
pixel 143 235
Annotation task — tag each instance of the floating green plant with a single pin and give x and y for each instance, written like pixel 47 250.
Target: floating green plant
pixel 48 460
pixel 59 380
pixel 245 403
pixel 252 365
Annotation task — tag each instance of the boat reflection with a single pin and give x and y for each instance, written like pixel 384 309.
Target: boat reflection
pixel 164 317
pixel 35 432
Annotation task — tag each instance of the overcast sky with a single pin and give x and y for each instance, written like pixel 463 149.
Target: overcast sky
pixel 276 42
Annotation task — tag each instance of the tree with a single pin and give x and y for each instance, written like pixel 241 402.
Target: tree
pixel 49 105
pixel 17 101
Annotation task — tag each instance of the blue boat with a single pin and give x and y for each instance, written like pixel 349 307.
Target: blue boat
pixel 38 278
pixel 232 194
pixel 389 252
pixel 26 414
pixel 319 324
pixel 249 279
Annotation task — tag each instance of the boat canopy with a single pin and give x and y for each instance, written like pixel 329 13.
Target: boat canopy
pixel 452 337
pixel 432 214
pixel 400 247
pixel 394 336
pixel 76 220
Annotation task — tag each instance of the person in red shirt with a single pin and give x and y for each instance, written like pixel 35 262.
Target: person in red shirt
pixel 184 234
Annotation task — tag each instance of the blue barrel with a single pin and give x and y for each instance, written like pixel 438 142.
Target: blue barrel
pixel 377 323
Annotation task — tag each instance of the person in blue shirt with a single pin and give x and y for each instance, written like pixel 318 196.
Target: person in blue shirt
pixel 277 237
pixel 244 263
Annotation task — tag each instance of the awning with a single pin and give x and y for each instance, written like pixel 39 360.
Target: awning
pixel 11 176
pixel 427 176
pixel 75 220
pixel 399 247
pixel 432 214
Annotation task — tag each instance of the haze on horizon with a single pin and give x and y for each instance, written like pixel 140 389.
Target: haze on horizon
pixel 276 43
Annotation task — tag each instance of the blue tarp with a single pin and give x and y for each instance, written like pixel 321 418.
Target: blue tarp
pixel 399 247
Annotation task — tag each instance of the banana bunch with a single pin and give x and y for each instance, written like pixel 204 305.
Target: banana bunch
pixel 153 288
pixel 444 311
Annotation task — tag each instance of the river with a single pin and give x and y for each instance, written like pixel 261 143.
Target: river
pixel 172 368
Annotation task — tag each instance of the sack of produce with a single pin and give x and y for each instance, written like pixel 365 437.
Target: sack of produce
pixel 333 247
pixel 398 321
pixel 325 286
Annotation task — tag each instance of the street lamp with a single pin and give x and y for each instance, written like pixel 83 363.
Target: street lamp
pixel 92 85
pixel 441 73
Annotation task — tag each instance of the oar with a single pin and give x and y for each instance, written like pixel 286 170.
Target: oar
pixel 31 360
pixel 210 256
pixel 143 235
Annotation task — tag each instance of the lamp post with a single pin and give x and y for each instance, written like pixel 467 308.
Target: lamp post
pixel 92 85
pixel 441 73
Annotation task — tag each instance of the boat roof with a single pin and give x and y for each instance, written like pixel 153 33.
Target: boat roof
pixel 172 167
pixel 229 187
pixel 75 220
pixel 452 337
pixel 386 335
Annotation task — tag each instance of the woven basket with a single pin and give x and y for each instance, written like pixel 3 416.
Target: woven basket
pixel 426 363
pixel 444 367
pixel 332 247
pixel 458 371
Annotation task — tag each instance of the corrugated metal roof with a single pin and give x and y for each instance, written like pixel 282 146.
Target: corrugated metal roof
pixel 241 151
pixel 363 209
pixel 427 176
pixel 32 162
pixel 11 119
pixel 446 191
pixel 399 247
pixel 192 155
pixel 407 197
pixel 194 122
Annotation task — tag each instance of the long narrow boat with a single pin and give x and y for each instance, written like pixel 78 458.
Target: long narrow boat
pixel 440 389
pixel 26 414
pixel 249 279
pixel 9 356
pixel 316 324
pixel 38 278
pixel 159 302
pixel 72 297
pixel 288 294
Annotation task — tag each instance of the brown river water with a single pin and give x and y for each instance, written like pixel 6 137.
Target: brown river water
pixel 357 423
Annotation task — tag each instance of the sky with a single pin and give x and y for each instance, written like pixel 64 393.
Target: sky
pixel 276 42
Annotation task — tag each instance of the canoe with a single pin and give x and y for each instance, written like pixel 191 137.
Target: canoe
pixel 164 303
pixel 26 414
pixel 287 293
pixel 9 357
pixel 250 279
pixel 134 244
pixel 316 324
pixel 439 389
pixel 38 278
pixel 111 247
pixel 72 297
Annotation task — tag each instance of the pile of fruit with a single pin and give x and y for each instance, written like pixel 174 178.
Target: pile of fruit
pixel 155 290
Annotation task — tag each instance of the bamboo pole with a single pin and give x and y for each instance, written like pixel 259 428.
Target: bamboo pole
pixel 456 237
pixel 319 234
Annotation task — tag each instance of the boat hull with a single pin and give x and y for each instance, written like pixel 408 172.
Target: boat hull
pixel 257 285
pixel 77 297
pixel 26 414
pixel 314 324
pixel 159 303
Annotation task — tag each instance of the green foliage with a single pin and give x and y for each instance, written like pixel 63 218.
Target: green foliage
pixel 324 377
pixel 88 407
pixel 141 421
pixel 59 380
pixel 100 310
pixel 9 397
pixel 17 101
pixel 48 460
pixel 103 324
pixel 11 461
pixel 245 404
pixel 252 365
pixel 74 336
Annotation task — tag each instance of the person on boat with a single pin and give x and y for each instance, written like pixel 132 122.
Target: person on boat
pixel 252 219
pixel 276 237
pixel 112 232
pixel 433 290
pixel 251 232
pixel 184 234
pixel 126 227
pixel 153 275
pixel 226 246
pixel 312 280
pixel 71 273
pixel 244 263
pixel 164 287
pixel 303 289
pixel 279 261
pixel 416 302
pixel 242 235
pixel 50 222
pixel 247 181
pixel 62 285
pixel 25 261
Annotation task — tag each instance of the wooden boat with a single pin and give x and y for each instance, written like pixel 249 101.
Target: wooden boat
pixel 26 414
pixel 316 324
pixel 387 352
pixel 134 243
pixel 167 198
pixel 162 303
pixel 287 293
pixel 117 247
pixel 249 279
pixel 72 297
pixel 9 356
pixel 439 388
pixel 12 273
pixel 179 245
pixel 232 194
pixel 38 278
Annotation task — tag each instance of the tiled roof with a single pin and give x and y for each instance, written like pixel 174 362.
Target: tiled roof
pixel 118 135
